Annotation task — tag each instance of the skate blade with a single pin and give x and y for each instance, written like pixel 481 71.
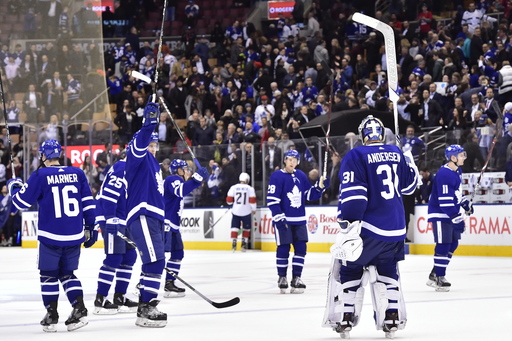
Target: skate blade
pixel 243 250
pixel 296 291
pixel 443 289
pixel 172 294
pixel 144 322
pixel 124 309
pixel 104 311
pixel 431 283
pixel 345 335
pixel 51 328
pixel 74 326
pixel 390 335
pixel 283 291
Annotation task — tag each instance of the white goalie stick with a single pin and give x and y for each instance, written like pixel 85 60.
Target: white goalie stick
pixel 389 43
pixel 218 305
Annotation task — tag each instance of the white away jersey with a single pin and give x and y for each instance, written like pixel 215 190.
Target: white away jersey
pixel 287 195
pixel 372 181
pixel 243 199
pixel 64 199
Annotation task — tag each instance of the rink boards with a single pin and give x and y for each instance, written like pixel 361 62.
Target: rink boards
pixel 488 231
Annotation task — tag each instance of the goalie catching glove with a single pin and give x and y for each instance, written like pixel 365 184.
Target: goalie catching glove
pixel 349 245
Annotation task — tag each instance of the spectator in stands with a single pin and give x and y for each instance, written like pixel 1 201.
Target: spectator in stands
pixel 413 143
pixel 126 121
pixel 203 137
pixel 73 90
pixel 191 13
pixel 32 103
pixel 51 11
pixel 473 153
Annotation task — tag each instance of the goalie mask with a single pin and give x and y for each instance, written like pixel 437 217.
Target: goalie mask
pixel 371 129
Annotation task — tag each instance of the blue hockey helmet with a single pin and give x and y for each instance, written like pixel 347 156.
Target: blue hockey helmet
pixel 371 129
pixel 154 137
pixel 292 153
pixel 176 164
pixel 454 149
pixel 51 149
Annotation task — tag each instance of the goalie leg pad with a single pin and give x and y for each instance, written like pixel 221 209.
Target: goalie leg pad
pixel 387 297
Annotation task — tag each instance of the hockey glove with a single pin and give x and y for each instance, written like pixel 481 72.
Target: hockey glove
pixel 91 236
pixel 324 182
pixel 457 219
pixel 200 174
pixel 467 206
pixel 459 227
pixel 151 114
pixel 14 185
pixel 280 225
pixel 112 226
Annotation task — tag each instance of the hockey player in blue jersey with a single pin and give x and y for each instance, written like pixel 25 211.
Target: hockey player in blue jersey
pixel 176 186
pixel 145 215
pixel 120 256
pixel 288 190
pixel 65 202
pixel 373 178
pixel 444 214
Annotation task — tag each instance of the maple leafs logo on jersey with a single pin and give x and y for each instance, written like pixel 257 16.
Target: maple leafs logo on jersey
pixel 295 197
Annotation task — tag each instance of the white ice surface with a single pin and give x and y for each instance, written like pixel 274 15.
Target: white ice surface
pixel 479 306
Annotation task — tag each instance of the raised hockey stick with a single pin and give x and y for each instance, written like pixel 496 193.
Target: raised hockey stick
pixel 159 54
pixel 147 80
pixel 389 43
pixel 7 128
pixel 218 305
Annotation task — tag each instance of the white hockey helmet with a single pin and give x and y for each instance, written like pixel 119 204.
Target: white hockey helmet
pixel 244 177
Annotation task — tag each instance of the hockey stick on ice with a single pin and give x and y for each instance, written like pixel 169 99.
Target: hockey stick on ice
pixel 218 305
pixel 7 128
pixel 147 80
pixel 389 42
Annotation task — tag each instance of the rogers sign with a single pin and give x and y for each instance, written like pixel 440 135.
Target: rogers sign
pixel 280 7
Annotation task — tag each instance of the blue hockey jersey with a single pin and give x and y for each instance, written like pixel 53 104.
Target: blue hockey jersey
pixel 175 189
pixel 111 200
pixel 372 181
pixel 145 186
pixel 446 195
pixel 64 199
pixel 287 194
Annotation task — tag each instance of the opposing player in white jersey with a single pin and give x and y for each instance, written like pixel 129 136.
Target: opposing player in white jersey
pixel 243 198
pixel 288 190
pixel 177 186
pixel 145 215
pixel 444 214
pixel 65 202
pixel 120 256
pixel 373 178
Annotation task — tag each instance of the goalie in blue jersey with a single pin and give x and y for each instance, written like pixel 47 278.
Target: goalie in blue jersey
pixel 65 202
pixel 373 178
pixel 444 214
pixel 288 190
pixel 145 215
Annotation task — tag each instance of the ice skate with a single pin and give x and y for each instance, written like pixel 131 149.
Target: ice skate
pixel 136 292
pixel 282 283
pixel 297 285
pixel 172 291
pixel 78 317
pixel 9 242
pixel 233 246
pixel 244 246
pixel 149 316
pixel 442 284
pixel 345 326
pixel 390 324
pixel 103 306
pixel 124 304
pixel 50 320
pixel 432 279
